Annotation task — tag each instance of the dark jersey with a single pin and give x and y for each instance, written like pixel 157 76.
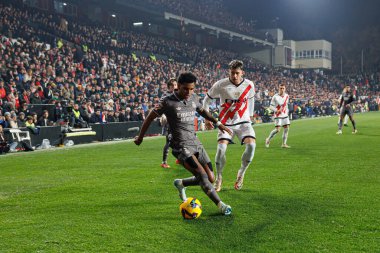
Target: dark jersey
pixel 345 103
pixel 347 98
pixel 165 126
pixel 180 116
pixel 165 94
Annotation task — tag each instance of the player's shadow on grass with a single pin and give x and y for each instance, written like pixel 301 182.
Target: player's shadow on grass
pixel 260 214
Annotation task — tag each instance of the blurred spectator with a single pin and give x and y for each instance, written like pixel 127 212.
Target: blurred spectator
pixel 4 146
pixel 44 119
pixel 31 126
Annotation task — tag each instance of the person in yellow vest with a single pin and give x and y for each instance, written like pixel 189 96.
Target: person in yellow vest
pixel 29 123
pixel 134 57
pixel 85 48
pixel 152 57
pixel 76 119
pixel 59 44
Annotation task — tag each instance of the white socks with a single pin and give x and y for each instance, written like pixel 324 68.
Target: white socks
pixel 273 133
pixel 220 159
pixel 246 158
pixel 285 135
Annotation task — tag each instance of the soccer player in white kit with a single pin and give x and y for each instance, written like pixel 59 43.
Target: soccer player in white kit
pixel 279 104
pixel 236 96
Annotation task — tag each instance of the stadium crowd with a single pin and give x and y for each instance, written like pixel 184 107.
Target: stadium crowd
pixel 212 12
pixel 98 73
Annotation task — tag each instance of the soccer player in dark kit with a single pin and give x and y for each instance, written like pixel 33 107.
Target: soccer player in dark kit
pixel 345 108
pixel 180 108
pixel 172 86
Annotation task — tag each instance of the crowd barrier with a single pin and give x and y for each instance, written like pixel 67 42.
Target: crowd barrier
pixel 98 133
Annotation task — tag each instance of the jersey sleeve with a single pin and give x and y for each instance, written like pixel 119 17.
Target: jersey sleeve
pixel 273 103
pixel 213 92
pixel 160 108
pixel 198 105
pixel 252 92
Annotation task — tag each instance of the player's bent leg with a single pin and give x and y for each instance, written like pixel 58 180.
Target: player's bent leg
pixel 213 195
pixel 165 153
pixel 340 123
pixel 181 185
pixel 209 171
pixel 271 135
pixel 246 159
pixel 354 131
pixel 178 183
pixel 285 137
pixel 224 208
pixel 220 161
pixel 345 120
pixel 192 164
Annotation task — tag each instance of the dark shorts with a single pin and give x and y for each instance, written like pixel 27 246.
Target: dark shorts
pixel 346 110
pixel 183 153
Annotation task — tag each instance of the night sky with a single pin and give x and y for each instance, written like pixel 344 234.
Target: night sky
pixel 321 17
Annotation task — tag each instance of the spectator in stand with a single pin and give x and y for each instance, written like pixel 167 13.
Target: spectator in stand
pixel 134 115
pixel 21 120
pixel 77 120
pixel 35 98
pixel 44 119
pixel 111 116
pixel 31 126
pixel 6 122
pixel 84 113
pixel 4 146
pixel 13 121
pixel 96 117
pixel 3 92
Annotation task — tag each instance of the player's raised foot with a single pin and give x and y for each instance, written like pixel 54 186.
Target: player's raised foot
pixel 181 189
pixel 239 183
pixel 285 146
pixel 224 209
pixel 267 142
pixel 339 132
pixel 346 125
pixel 177 161
pixel 165 165
pixel 218 184
pixel 354 131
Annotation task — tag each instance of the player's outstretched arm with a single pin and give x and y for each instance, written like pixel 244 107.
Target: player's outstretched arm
pixel 206 102
pixel 139 138
pixel 207 115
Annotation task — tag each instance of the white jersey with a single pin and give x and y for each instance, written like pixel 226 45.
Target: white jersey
pixel 236 102
pixel 279 104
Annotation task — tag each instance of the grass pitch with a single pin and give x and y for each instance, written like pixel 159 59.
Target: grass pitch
pixel 322 195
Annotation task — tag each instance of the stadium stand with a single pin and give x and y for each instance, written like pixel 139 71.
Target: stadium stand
pixel 44 63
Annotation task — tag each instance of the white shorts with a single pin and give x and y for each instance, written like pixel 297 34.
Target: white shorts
pixel 242 131
pixel 282 122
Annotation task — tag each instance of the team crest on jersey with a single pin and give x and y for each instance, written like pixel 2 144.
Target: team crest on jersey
pixel 237 94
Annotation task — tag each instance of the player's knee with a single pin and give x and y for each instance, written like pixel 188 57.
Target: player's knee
pixel 205 183
pixel 209 164
pixel 249 151
pixel 190 161
pixel 210 173
pixel 221 150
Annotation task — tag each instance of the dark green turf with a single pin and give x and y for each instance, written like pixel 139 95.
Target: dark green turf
pixel 322 195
